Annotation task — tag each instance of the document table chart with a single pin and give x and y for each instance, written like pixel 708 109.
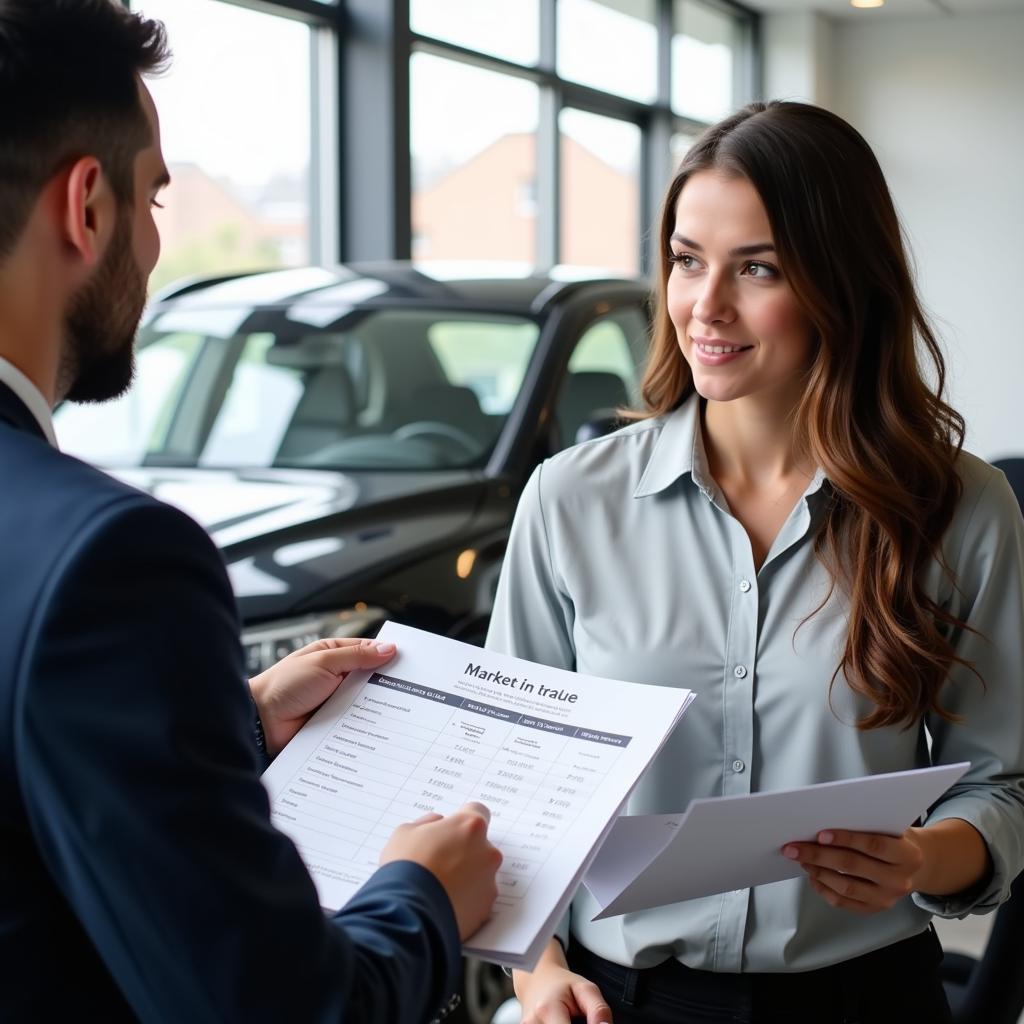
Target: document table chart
pixel 404 749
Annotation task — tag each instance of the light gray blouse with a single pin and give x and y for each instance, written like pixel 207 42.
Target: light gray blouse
pixel 625 562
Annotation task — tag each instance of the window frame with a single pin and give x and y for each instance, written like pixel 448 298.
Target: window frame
pixel 361 164
pixel 328 23
pixel 657 120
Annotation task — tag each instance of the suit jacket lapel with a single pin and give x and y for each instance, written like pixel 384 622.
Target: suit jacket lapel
pixel 14 411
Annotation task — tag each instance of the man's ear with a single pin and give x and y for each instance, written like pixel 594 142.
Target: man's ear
pixel 89 210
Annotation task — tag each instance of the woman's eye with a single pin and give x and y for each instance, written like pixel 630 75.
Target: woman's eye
pixel 683 259
pixel 764 271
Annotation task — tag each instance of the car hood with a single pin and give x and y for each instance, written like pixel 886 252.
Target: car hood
pixel 288 534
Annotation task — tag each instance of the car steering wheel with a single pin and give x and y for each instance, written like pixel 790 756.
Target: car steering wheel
pixel 421 428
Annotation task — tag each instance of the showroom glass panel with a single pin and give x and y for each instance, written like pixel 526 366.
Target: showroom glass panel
pixel 600 192
pixel 474 163
pixel 508 30
pixel 236 130
pixel 706 50
pixel 611 45
pixel 679 146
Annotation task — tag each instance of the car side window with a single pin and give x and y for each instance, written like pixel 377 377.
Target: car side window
pixel 604 371
pixel 256 410
pixel 488 357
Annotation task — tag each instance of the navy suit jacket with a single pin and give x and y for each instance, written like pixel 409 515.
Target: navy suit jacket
pixel 140 877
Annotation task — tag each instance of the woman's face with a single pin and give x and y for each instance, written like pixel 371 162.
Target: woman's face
pixel 737 320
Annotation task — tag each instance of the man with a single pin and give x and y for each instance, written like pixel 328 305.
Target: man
pixel 140 877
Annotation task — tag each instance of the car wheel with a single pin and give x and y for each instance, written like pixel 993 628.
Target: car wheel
pixel 484 988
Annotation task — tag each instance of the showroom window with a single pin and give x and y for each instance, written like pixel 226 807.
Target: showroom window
pixel 707 72
pixel 550 141
pixel 474 162
pixel 456 130
pixel 237 112
pixel 495 27
pixel 600 191
pixel 610 46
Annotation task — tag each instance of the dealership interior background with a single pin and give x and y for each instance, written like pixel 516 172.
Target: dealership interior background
pixel 541 133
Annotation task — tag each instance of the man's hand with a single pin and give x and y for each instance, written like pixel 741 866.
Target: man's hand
pixel 552 994
pixel 456 851
pixel 288 693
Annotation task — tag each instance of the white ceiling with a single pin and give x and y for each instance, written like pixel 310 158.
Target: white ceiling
pixel 937 8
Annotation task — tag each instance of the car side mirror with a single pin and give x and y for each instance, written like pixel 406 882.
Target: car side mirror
pixel 599 423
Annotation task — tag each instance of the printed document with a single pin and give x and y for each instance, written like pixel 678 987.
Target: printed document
pixel 552 754
pixel 732 842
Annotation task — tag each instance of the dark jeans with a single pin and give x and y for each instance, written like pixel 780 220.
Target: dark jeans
pixel 899 984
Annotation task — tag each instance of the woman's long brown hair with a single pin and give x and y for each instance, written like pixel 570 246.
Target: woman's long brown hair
pixel 886 440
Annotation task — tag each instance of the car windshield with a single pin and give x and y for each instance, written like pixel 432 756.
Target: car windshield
pixel 372 389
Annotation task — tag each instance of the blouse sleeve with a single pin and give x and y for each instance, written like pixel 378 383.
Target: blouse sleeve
pixel 989 597
pixel 533 616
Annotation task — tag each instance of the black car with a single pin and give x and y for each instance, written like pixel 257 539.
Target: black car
pixel 355 439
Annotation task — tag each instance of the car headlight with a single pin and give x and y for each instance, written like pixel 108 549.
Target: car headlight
pixel 270 642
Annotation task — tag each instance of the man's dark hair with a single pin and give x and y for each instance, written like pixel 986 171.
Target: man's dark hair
pixel 68 89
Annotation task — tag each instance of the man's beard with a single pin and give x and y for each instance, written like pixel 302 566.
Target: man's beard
pixel 101 324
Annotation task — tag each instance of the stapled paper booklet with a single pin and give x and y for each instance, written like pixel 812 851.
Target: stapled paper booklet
pixel 552 754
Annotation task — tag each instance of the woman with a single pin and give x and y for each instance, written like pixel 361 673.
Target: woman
pixel 792 530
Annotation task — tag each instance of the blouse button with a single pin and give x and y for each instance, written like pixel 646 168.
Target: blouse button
pixel 744 585
pixel 739 672
pixel 738 766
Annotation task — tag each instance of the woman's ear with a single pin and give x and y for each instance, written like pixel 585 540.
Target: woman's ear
pixel 89 210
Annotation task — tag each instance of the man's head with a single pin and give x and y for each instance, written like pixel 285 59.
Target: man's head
pixel 80 165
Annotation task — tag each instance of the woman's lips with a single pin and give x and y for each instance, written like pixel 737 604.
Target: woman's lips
pixel 715 352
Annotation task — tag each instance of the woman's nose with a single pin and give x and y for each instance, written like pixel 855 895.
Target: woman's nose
pixel 713 305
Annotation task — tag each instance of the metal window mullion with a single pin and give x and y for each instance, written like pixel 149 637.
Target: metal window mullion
pixel 376 193
pixel 401 243
pixel 548 60
pixel 549 179
pixel 306 10
pixel 549 143
pixel 656 169
pixel 325 199
pixel 594 101
pixel 484 61
pixel 666 28
pixel 576 94
pixel 657 137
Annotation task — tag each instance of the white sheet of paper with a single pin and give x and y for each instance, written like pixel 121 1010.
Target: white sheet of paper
pixel 734 842
pixel 553 754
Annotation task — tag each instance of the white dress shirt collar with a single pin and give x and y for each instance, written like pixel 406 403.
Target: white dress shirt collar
pixel 31 396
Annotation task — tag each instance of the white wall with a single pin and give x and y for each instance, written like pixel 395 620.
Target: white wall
pixel 941 100
pixel 798 57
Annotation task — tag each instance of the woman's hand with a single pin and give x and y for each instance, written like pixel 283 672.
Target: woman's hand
pixel 288 693
pixel 552 994
pixel 861 871
pixel 865 872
